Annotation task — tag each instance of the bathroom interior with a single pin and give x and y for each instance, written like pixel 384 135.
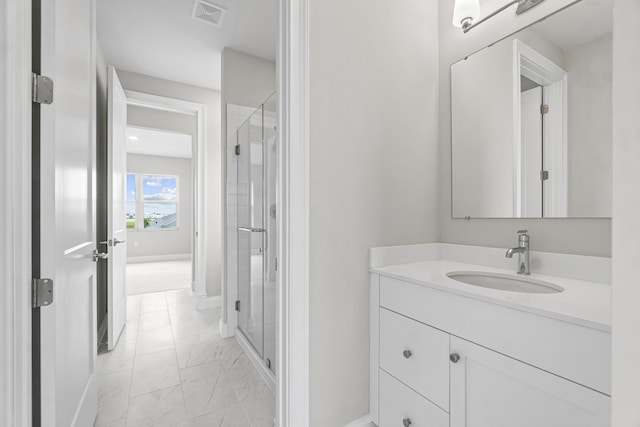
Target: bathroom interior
pixel 460 197
pixel 460 232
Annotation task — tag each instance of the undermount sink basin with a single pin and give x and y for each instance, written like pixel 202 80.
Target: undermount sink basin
pixel 505 282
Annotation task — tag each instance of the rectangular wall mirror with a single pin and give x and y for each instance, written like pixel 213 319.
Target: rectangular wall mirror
pixel 532 120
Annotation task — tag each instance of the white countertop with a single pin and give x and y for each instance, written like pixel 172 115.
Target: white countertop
pixel 582 302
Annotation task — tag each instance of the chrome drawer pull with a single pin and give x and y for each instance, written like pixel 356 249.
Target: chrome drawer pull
pixel 407 354
pixel 454 357
pixel 406 422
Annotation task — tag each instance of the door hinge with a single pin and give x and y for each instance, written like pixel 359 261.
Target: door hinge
pixel 42 89
pixel 544 109
pixel 276 265
pixel 238 150
pixel 544 175
pixel 238 305
pixel 268 362
pixel 41 292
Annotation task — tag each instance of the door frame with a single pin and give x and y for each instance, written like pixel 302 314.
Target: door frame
pixel 538 68
pixel 199 151
pixel 292 335
pixel 292 301
pixel 15 213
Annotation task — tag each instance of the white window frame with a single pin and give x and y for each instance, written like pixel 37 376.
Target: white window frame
pixel 140 202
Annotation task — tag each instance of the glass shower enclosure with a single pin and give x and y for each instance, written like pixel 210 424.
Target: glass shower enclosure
pixel 256 220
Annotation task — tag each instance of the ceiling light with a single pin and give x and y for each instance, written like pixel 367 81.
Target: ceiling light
pixel 133 137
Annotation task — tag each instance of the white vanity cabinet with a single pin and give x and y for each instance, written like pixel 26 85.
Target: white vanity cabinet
pixel 439 359
pixel 493 390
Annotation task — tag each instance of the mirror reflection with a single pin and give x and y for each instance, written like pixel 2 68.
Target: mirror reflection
pixel 532 120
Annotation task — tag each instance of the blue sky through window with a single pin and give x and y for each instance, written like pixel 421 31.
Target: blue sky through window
pixel 159 188
pixel 131 187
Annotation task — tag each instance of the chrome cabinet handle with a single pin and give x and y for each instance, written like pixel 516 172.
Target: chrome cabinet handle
pixel 407 353
pixel 454 357
pixel 406 422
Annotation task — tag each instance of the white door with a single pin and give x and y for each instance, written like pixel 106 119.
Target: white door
pixel 530 154
pixel 116 210
pixel 68 347
pixel 490 389
pixel 555 159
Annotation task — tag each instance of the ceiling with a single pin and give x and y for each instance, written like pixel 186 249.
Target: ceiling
pixel 158 143
pixel 160 38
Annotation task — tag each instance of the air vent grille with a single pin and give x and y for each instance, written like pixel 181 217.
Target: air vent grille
pixel 209 13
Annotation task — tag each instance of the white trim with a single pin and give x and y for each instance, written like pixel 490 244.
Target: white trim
pixel 225 330
pixel 15 213
pixel 268 376
pixel 206 303
pixel 538 68
pixel 200 152
pixel 292 302
pixel 365 421
pixel 157 258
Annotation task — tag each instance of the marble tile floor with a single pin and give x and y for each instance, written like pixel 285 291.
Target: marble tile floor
pixel 171 368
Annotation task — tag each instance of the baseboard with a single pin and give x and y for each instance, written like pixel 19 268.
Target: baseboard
pixel 206 303
pixel 268 376
pixel 157 258
pixel 225 331
pixel 365 421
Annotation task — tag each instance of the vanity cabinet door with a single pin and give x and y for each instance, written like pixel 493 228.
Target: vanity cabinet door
pixel 490 389
pixel 402 407
pixel 417 355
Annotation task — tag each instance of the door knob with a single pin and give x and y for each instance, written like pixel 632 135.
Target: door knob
pixel 406 422
pixel 116 242
pixel 454 357
pixel 99 255
pixel 407 353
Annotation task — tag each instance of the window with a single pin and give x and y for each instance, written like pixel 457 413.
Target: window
pixel 152 202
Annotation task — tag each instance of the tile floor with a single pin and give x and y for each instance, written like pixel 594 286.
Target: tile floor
pixel 171 368
pixel 148 277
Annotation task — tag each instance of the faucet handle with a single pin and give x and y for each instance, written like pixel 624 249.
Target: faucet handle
pixel 523 231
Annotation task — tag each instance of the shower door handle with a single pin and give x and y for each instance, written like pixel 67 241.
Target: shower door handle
pixel 256 230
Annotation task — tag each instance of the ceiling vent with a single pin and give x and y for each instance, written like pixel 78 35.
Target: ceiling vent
pixel 209 13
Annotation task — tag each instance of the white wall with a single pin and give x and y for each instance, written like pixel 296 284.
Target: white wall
pixel 578 236
pixel 211 99
pixel 373 176
pixel 626 211
pixel 590 128
pixel 247 82
pixel 143 243
pixel 483 133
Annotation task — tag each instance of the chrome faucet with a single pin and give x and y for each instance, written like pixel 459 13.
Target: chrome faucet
pixel 523 252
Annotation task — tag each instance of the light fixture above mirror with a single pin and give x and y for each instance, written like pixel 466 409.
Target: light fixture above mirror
pixel 466 12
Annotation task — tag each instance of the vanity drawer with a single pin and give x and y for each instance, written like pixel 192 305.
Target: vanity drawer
pixel 417 355
pixel 400 406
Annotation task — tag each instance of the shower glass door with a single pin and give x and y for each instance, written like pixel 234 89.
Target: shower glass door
pixel 271 253
pixel 252 235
